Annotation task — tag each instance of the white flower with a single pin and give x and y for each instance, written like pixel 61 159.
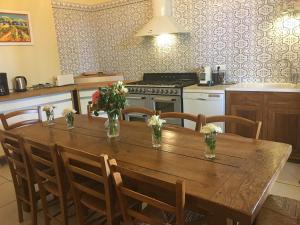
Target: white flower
pixel 119 83
pixel 68 111
pixel 210 128
pixel 48 108
pixel 155 121
pixel 124 90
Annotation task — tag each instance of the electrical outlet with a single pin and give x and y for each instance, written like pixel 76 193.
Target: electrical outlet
pixel 222 67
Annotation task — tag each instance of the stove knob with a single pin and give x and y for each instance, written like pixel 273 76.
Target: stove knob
pixel 161 91
pixel 175 92
pixel 171 91
pixel 166 91
pixel 157 91
pixel 153 91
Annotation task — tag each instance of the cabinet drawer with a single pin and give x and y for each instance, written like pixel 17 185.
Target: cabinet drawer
pixel 246 98
pixel 290 100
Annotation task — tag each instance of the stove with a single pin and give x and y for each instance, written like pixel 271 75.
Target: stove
pixel 160 92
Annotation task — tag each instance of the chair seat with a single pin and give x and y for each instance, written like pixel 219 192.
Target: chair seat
pixel 279 211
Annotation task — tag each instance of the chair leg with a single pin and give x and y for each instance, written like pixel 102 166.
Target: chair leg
pixel 44 205
pixel 64 210
pixel 80 214
pixel 20 211
pixel 34 214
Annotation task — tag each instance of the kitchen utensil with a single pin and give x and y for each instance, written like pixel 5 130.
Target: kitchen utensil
pixel 20 84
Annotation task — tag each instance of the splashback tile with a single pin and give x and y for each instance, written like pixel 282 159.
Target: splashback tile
pixel 247 36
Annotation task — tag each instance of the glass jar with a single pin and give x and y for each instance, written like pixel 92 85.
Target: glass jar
pixel 113 126
pixel 210 147
pixel 156 136
pixel 70 120
pixel 50 117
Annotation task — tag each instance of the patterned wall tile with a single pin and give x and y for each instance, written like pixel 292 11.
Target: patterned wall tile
pixel 246 35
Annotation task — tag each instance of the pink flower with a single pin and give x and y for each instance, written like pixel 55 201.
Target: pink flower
pixel 95 97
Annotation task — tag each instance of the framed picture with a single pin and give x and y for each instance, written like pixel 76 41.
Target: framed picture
pixel 15 28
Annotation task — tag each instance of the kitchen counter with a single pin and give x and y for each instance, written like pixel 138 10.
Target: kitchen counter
pixel 265 87
pixel 53 90
pixel 218 89
pixel 253 87
pixel 37 92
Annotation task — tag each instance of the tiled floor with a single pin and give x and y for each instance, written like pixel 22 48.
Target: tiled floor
pixel 287 185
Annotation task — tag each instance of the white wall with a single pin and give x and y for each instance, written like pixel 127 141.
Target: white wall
pixel 39 62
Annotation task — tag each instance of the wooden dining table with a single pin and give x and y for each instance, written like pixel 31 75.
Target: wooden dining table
pixel 233 186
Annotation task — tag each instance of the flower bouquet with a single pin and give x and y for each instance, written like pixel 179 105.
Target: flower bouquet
pixel 210 131
pixel 156 124
pixel 49 110
pixel 112 100
pixel 68 113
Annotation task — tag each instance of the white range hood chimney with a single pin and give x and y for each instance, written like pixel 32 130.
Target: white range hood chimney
pixel 162 22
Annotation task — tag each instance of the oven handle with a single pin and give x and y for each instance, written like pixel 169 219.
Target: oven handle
pixel 164 100
pixel 139 98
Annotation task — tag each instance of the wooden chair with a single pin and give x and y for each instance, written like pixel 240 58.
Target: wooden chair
pixel 136 110
pixel 91 185
pixel 279 211
pixel 48 169
pixel 21 172
pixel 237 125
pixel 184 116
pixel 5 117
pixel 159 210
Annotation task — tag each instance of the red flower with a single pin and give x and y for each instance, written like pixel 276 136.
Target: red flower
pixel 95 97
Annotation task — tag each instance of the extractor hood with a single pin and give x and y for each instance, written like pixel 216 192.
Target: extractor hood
pixel 162 22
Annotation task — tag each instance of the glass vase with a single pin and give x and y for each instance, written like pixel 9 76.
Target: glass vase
pixel 50 117
pixel 70 121
pixel 113 127
pixel 156 136
pixel 210 147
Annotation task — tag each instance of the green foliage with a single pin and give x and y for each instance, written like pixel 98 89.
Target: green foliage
pixel 111 100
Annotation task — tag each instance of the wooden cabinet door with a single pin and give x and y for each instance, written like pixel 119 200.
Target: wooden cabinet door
pixel 244 104
pixel 284 126
pixel 282 110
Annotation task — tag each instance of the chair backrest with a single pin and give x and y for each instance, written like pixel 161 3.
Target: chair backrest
pixel 174 204
pixel 5 117
pixel 236 125
pixel 13 146
pixel 47 166
pixel 137 110
pixel 185 116
pixel 89 175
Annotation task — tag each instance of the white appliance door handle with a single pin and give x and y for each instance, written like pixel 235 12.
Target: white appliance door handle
pixel 139 98
pixel 202 99
pixel 164 99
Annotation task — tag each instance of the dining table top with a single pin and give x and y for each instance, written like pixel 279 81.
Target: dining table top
pixel 237 182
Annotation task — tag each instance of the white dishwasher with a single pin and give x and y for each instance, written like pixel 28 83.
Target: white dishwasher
pixel 206 102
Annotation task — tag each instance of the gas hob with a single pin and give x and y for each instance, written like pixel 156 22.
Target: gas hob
pixel 162 83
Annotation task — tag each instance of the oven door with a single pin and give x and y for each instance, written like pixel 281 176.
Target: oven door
pixel 135 100
pixel 167 104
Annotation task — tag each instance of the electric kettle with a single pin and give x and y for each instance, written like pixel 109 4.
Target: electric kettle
pixel 20 84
